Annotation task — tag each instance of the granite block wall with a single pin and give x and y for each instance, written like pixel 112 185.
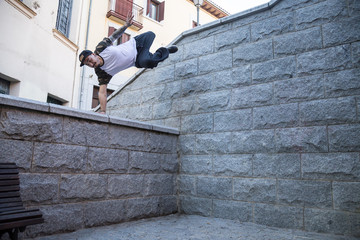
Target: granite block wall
pixel 84 170
pixel 267 103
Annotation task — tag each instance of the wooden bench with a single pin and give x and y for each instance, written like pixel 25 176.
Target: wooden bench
pixel 13 216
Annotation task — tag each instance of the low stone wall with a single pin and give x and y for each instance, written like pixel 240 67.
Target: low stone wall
pixel 83 169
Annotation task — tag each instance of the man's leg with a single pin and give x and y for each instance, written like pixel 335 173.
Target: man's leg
pixel 144 58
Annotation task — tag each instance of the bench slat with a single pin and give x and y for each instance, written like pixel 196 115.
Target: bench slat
pixel 13 199
pixel 21 223
pixel 9 170
pixel 9 194
pixel 9 182
pixel 9 176
pixel 12 204
pixel 9 188
pixel 26 214
pixel 12 209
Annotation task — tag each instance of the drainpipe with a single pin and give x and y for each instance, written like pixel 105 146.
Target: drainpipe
pixel 83 68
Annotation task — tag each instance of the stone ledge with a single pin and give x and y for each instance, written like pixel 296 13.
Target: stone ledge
pixel 7 100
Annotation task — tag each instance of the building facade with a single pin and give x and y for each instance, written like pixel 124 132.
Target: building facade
pixel 42 40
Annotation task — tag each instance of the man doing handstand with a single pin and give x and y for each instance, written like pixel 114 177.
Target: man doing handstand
pixel 107 60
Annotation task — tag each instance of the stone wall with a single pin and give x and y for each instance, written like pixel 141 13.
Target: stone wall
pixel 267 103
pixel 84 170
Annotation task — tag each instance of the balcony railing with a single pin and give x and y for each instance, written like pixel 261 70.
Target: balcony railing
pixel 119 9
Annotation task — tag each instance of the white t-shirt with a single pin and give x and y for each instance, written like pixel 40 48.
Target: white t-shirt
pixel 118 58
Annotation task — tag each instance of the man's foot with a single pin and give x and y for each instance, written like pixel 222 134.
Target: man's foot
pixel 173 49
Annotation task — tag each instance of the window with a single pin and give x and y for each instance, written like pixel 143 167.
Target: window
pixel 123 38
pixel 64 16
pixel 95 99
pixel 4 86
pixel 54 100
pixel 155 10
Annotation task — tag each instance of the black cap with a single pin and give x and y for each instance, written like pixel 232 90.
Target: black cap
pixel 83 55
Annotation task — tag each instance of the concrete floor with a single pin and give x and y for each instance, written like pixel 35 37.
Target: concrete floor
pixel 190 227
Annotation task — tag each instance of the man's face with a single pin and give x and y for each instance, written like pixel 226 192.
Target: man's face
pixel 92 61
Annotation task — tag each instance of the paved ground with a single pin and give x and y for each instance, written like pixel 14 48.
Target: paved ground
pixel 185 227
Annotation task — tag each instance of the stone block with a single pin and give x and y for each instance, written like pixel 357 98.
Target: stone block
pixel 187 144
pixel 333 166
pixel 306 139
pixel 232 165
pixel 125 186
pixel 324 60
pixel 233 120
pixel 60 218
pixel 299 89
pixel 347 196
pixel 285 115
pixel 277 69
pixel 186 69
pixel 220 188
pixel 196 164
pixel 196 206
pixel 276 25
pixel 59 158
pixel 104 212
pixel 255 190
pixel 39 188
pixel 277 165
pixel 320 13
pixel 126 98
pixel 278 216
pixel 161 143
pixel 215 62
pixel 19 152
pixel 344 138
pixel 343 83
pixel 253 141
pixel 355 47
pixel 297 42
pixel 235 210
pixel 144 162
pixel 81 132
pixel 216 143
pixel 232 38
pixel 157 110
pixel 196 85
pixel 160 184
pixel 330 221
pixel 151 93
pixel 184 106
pixel 186 185
pixel 354 8
pixel 214 101
pixel 252 96
pixel 198 48
pixel 167 205
pixel 340 32
pixel 117 161
pixel 159 75
pixel 128 138
pixel 170 163
pixel 329 111
pixel 286 6
pixel 200 123
pixel 305 193
pixel 172 90
pixel 25 125
pixel 250 18
pixel 84 187
pixel 233 78
pixel 137 208
pixel 253 52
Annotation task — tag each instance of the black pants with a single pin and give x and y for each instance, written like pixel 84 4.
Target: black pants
pixel 144 58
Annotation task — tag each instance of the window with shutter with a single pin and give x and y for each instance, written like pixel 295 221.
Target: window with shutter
pixel 155 10
pixel 64 16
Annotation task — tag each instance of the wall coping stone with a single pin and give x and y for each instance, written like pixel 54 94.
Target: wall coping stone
pixel 7 100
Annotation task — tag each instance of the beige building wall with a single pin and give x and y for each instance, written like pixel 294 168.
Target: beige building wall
pixel 36 58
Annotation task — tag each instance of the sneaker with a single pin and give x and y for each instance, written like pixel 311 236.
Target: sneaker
pixel 173 49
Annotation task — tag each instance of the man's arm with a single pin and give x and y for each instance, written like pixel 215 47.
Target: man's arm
pixel 120 31
pixel 103 98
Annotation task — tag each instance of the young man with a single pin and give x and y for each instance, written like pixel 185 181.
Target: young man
pixel 107 60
